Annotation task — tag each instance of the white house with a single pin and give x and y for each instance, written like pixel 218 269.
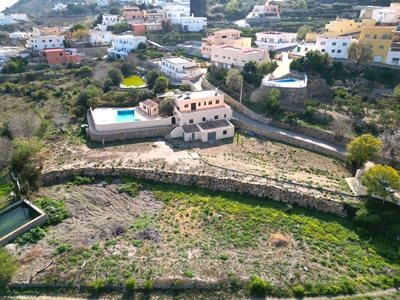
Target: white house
pixel 18 35
pixel 102 3
pixel 40 43
pixel 226 56
pixel 100 38
pixel 122 45
pixel 6 20
pixel 60 7
pixel 180 68
pixel 382 15
pixel 193 24
pixel 20 17
pixel 174 12
pixel 335 47
pixel 275 40
pixel 111 20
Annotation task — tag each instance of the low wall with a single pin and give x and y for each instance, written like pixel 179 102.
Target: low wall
pixel 261 189
pixel 288 140
pixel 38 221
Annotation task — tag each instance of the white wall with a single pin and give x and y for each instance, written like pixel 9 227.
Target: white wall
pixel 45 42
pixel 393 58
pixel 201 116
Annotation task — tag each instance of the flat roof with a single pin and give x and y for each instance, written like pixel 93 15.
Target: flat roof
pixel 178 60
pixel 150 103
pixel 198 94
pixel 214 124
pixel 238 49
pixel 190 128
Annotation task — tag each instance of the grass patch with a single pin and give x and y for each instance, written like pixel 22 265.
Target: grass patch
pixel 133 81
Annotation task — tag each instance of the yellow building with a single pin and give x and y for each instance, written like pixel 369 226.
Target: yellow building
pixel 380 39
pixel 346 26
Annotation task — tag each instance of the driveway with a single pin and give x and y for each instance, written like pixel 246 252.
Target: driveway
pixel 299 136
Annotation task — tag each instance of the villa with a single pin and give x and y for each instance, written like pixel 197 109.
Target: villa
pixel 227 56
pixel 178 68
pixel 198 115
pixel 274 40
pixel 122 45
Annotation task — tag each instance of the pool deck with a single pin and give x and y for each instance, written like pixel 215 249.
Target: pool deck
pixel 108 115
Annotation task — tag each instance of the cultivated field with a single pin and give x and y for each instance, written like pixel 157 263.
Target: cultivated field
pixel 174 234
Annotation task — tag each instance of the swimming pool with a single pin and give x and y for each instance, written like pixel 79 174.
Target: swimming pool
pixel 128 115
pixel 286 80
pixel 16 217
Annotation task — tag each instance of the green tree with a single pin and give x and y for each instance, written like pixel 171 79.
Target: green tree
pixel 26 163
pixel 121 27
pixel 362 148
pixel 301 4
pixel 115 76
pixel 151 77
pixel 360 53
pixel 8 266
pixel 234 79
pixel 161 85
pixel 396 92
pixel 167 107
pixel 127 69
pixel 77 27
pixel 381 180
pixel 272 100
pixel 302 32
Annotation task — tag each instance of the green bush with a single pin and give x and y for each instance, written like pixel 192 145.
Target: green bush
pixel 8 266
pixel 130 284
pixel 97 286
pixel 148 284
pixel 55 210
pixel 299 290
pixel 258 287
pixel 62 248
pixel 81 180
pixel 31 237
pixel 131 188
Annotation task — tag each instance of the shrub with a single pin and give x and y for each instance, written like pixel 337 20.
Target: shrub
pixel 130 284
pixel 167 107
pixel 31 237
pixel 299 291
pixel 97 286
pixel 62 248
pixel 131 188
pixel 55 210
pixel 8 266
pixel 81 180
pixel 189 274
pixel 147 284
pixel 259 287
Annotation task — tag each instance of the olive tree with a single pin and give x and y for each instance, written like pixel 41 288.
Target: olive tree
pixel 167 107
pixel 381 180
pixel 5 147
pixel 234 79
pixel 362 148
pixel 360 53
pixel 24 125
pixel 8 266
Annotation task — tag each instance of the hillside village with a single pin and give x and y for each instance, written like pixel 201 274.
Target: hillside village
pixel 200 149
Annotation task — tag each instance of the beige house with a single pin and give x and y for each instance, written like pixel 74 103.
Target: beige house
pixel 150 107
pixel 228 56
pixel 224 37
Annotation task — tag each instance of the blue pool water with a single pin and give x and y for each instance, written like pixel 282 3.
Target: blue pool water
pixel 125 116
pixel 286 80
pixel 15 218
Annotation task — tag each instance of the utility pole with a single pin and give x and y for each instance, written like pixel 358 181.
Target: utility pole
pixel 241 95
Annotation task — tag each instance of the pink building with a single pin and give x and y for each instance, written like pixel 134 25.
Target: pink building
pixel 61 56
pixel 227 56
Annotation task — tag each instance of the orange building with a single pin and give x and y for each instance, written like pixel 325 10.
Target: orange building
pixel 61 56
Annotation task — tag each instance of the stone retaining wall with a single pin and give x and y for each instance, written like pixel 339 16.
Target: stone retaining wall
pixel 251 187
pixel 287 139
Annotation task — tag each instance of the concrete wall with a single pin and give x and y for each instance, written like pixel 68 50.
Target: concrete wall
pixel 262 188
pixel 38 221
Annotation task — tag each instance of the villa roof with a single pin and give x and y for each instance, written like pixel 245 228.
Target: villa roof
pixel 190 128
pixel 214 124
pixel 150 103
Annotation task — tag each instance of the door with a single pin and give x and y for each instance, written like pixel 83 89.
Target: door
pixel 173 120
pixel 193 106
pixel 212 136
pixel 193 136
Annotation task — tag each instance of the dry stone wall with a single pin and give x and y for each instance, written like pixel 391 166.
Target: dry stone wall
pixel 260 189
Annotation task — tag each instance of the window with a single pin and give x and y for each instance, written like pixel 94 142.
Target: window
pixel 333 43
pixel 323 43
pixel 224 132
pixel 322 50
pixel 191 121
pixel 210 102
pixel 381 47
pixel 333 51
pixel 339 51
pixel 344 44
pixel 395 59
pixel 203 119
pixel 216 117
pixel 186 105
pixel 217 101
pixel 199 104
